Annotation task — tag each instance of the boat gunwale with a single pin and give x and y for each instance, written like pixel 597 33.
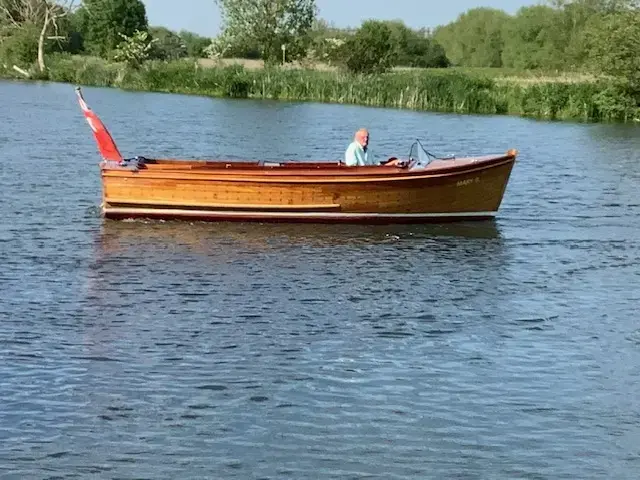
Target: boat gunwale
pixel 355 175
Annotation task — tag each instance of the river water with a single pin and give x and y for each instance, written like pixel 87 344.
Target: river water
pixel 503 349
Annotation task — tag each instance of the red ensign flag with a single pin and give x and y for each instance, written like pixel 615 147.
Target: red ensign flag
pixel 105 142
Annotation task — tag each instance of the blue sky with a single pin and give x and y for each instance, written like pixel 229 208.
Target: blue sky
pixel 203 17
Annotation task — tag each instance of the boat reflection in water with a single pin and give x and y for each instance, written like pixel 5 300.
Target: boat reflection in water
pixel 225 239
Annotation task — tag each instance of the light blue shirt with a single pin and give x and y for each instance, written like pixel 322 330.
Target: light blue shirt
pixel 356 156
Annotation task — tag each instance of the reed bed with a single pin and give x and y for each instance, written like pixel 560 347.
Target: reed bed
pixel 443 90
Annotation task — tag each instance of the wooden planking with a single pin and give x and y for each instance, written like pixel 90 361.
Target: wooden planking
pixel 145 189
pixel 481 192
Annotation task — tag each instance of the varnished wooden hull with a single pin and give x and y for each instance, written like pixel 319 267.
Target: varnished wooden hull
pixel 448 190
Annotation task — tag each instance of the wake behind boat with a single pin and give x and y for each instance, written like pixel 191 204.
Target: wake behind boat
pixel 423 189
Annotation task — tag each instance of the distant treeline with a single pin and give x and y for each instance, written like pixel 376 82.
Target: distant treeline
pixel 597 36
pixel 601 36
pixel 388 43
pixel 563 35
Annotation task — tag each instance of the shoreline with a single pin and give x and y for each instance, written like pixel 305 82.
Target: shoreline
pixel 436 91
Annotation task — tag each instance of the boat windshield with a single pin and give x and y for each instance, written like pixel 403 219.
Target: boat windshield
pixel 420 157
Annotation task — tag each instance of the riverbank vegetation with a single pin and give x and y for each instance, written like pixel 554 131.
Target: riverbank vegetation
pixel 565 60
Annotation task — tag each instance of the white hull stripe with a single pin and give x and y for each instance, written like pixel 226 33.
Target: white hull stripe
pixel 257 214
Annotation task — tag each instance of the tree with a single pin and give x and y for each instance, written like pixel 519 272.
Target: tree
pixel 135 50
pixel 598 35
pixel 371 49
pixel 558 35
pixel 21 46
pixel 475 38
pixel 225 46
pixel 600 6
pixel 428 54
pixel 535 39
pixel 269 24
pixel 326 42
pixel 167 44
pixel 194 43
pixel 104 21
pixel 415 48
pixel 27 20
pixel 573 19
pixel 614 43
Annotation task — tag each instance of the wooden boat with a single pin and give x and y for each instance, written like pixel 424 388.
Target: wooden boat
pixel 424 189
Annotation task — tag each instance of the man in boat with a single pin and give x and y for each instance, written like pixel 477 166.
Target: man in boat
pixel 358 153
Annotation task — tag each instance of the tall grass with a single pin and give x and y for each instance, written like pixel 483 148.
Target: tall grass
pixel 444 90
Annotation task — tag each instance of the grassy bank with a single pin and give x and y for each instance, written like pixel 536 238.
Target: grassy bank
pixel 445 90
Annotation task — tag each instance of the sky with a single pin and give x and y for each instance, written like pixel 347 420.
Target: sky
pixel 203 16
